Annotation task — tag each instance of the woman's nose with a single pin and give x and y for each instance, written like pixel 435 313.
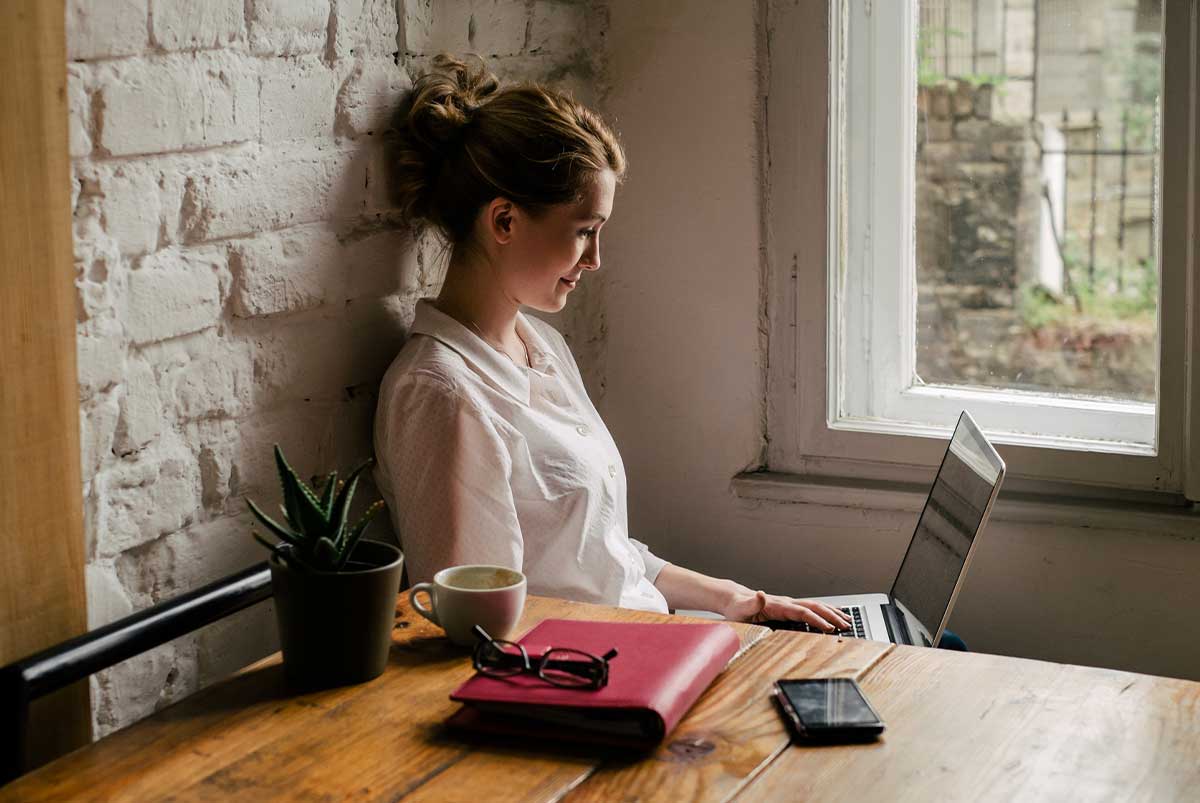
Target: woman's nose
pixel 591 257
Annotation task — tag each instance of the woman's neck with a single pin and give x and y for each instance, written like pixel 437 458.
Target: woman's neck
pixel 482 308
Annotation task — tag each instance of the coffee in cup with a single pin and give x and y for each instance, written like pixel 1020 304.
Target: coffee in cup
pixel 461 597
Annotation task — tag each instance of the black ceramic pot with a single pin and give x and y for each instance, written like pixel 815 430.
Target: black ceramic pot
pixel 335 628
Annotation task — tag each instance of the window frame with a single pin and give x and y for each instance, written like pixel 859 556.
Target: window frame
pixel 873 390
pixel 805 449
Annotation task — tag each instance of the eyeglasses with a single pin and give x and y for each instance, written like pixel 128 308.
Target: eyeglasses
pixel 558 666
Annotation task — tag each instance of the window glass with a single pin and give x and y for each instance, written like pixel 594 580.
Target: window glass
pixel 1036 188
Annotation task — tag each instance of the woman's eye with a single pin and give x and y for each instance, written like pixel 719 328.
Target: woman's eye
pixel 587 233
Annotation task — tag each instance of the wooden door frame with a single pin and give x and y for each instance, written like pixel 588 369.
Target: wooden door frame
pixel 42 594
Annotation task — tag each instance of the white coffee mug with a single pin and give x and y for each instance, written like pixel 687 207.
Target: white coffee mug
pixel 461 597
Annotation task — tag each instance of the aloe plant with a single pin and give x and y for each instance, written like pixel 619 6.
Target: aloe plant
pixel 317 535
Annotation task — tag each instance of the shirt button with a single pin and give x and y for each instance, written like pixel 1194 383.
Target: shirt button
pixel 612 471
pixel 581 429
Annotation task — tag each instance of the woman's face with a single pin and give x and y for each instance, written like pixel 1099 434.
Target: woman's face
pixel 547 255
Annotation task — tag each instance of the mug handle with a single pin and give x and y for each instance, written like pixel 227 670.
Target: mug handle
pixel 429 613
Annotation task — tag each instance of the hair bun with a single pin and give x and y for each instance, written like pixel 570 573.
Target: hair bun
pixel 446 99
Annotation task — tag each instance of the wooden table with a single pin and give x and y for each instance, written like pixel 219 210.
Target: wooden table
pixel 960 727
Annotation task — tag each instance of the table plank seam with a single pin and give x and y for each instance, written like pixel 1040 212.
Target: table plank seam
pixel 866 670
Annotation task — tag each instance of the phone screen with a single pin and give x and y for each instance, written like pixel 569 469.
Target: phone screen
pixel 829 704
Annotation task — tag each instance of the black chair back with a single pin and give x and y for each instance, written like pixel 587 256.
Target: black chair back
pixel 25 680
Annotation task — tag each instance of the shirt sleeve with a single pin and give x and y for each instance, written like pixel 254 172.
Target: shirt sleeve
pixel 653 562
pixel 449 473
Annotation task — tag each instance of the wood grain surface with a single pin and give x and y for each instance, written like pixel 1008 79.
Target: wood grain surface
pixel 42 598
pixel 964 726
pixel 960 727
pixel 734 729
pixel 248 736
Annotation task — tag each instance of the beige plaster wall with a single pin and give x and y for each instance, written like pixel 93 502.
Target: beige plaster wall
pixel 683 383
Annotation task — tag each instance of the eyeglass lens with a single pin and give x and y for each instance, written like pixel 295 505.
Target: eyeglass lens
pixel 501 658
pixel 564 667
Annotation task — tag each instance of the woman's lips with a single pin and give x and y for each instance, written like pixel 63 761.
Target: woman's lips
pixel 568 282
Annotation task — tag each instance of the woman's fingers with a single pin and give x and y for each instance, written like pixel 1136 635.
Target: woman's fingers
pixel 837 615
pixel 809 612
pixel 818 614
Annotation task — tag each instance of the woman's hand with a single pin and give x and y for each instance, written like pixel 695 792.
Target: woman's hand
pixel 759 606
pixel 685 588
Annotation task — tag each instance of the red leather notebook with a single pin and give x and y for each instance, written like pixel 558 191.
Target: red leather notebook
pixel 659 672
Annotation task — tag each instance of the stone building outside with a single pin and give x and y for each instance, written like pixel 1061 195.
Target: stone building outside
pixel 1035 221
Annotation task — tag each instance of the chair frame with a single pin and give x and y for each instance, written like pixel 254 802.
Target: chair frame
pixel 24 681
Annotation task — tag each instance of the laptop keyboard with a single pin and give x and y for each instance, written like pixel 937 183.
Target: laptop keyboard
pixel 856 629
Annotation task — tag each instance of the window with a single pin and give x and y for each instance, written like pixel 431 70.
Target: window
pixel 949 251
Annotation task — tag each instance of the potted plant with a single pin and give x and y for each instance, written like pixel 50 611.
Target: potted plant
pixel 335 594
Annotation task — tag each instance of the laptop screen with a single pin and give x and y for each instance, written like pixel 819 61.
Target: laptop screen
pixel 948 524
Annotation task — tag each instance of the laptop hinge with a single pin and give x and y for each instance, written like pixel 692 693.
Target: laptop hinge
pixel 896 626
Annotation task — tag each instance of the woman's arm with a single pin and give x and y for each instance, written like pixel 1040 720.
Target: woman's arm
pixel 685 588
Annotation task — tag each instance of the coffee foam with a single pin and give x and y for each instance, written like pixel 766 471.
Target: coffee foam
pixel 483 579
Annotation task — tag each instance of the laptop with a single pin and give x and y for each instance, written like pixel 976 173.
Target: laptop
pixel 917 608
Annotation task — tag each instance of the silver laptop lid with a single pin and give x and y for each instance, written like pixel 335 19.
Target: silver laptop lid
pixel 955 511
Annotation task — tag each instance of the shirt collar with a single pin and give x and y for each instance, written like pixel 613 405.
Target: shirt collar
pixel 487 361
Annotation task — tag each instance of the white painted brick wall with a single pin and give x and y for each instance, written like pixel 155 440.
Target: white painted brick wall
pixel 243 278
pixel 79 109
pixel 381 264
pixel 364 28
pixel 129 205
pixel 297 100
pixel 141 416
pixel 561 26
pixel 218 383
pixel 367 98
pixel 486 27
pixel 101 356
pixel 148 495
pixel 177 103
pixel 108 29
pixel 242 195
pixel 288 27
pixel 107 598
pixel 173 293
pixel 192 25
pixel 286 271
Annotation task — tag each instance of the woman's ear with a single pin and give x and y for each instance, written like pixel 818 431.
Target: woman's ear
pixel 499 219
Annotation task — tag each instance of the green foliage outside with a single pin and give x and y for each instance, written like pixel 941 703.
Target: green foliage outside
pixel 1138 62
pixel 928 73
pixel 1130 297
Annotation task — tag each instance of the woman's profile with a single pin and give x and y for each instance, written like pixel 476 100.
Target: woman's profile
pixel 489 449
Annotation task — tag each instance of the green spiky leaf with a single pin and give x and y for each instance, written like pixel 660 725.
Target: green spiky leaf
pixel 273 546
pixel 274 526
pixel 318 536
pixel 341 505
pixel 287 516
pixel 357 531
pixel 304 507
pixel 291 497
pixel 329 489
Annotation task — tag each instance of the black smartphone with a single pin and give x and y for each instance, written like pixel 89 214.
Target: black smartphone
pixel 829 709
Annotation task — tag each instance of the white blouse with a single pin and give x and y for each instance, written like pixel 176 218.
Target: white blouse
pixel 483 461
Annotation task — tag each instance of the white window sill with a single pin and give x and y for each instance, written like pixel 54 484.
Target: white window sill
pixel 1027 501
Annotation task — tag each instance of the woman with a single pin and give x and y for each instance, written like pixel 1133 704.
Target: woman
pixel 489 448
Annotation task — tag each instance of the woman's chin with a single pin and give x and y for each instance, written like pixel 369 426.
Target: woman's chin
pixel 553 304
